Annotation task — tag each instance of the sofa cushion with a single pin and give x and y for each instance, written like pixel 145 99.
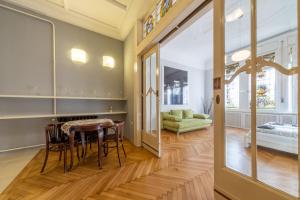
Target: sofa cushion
pixel 177 113
pixel 188 114
pixel 187 123
pixel 172 118
pixel 163 114
pixel 201 116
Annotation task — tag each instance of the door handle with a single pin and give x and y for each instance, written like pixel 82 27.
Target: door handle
pixel 218 99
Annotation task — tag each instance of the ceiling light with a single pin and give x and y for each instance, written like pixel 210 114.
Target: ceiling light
pixel 78 55
pixel 234 15
pixel 240 55
pixel 108 61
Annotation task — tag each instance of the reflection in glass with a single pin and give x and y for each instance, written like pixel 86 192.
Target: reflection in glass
pixel 237 113
pixel 151 94
pixel 277 127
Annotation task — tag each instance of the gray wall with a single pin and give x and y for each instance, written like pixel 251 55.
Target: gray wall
pixel 26 68
pixel 129 61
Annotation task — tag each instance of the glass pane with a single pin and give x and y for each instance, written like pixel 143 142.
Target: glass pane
pixel 276 98
pixel 237 112
pixel 153 94
pixel 148 94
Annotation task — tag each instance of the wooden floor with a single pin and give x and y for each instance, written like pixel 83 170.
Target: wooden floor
pixel 277 169
pixel 185 171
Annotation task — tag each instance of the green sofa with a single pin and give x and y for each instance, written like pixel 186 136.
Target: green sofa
pixel 181 121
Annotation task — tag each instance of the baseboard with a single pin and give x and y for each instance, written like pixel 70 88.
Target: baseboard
pixel 20 148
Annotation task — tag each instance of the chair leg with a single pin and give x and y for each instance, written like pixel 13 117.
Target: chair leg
pixel 78 156
pixel 100 144
pixel 60 153
pixel 118 153
pixel 105 149
pixel 124 150
pixel 65 158
pixel 46 158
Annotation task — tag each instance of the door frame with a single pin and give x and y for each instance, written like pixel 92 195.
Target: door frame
pixel 227 180
pixel 150 141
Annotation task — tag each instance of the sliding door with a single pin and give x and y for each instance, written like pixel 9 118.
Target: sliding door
pixel 151 101
pixel 256 83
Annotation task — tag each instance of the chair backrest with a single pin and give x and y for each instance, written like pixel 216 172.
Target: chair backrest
pixel 67 119
pixel 54 134
pixel 120 128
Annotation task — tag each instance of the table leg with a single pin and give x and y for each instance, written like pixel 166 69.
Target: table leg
pixel 82 134
pixel 100 143
pixel 71 143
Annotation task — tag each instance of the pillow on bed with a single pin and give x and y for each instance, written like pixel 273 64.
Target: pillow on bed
pixel 266 126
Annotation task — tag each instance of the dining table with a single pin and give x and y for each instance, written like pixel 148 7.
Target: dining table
pixel 84 127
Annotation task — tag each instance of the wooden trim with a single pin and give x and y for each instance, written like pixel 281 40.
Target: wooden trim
pixel 298 19
pixel 253 90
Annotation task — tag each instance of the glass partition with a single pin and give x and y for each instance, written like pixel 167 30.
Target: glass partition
pixel 276 95
pixel 237 115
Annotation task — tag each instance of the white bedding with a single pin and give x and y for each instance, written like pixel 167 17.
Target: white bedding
pixel 282 130
pixel 281 137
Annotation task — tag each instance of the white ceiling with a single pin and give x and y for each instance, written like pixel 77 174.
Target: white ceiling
pixel 113 18
pixel 193 46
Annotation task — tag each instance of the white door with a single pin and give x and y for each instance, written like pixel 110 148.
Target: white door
pixel 256 83
pixel 151 101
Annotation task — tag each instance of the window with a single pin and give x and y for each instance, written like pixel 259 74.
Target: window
pixel 265 89
pixel 232 92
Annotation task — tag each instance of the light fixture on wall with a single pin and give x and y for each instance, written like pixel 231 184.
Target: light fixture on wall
pixel 240 55
pixel 234 15
pixel 108 62
pixel 78 55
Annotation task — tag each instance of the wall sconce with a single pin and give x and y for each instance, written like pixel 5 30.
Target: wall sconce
pixel 78 55
pixel 108 62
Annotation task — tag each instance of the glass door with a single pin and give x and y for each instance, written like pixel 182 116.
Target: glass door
pixel 151 101
pixel 256 83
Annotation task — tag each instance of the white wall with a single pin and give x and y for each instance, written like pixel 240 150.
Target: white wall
pixel 196 81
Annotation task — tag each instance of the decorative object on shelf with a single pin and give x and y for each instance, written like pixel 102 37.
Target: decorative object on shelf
pixel 110 109
pixel 78 55
pixel 108 62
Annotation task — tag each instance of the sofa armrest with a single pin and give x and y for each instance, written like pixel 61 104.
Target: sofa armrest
pixel 201 116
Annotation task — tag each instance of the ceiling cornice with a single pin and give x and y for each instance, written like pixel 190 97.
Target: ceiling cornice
pixel 63 13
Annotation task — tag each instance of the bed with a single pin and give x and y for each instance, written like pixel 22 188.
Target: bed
pixel 282 137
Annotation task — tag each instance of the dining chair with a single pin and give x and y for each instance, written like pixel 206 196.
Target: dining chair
pixel 91 138
pixel 115 136
pixel 57 141
pixel 88 130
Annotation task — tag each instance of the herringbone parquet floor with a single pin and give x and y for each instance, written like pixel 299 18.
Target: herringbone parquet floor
pixel 185 171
